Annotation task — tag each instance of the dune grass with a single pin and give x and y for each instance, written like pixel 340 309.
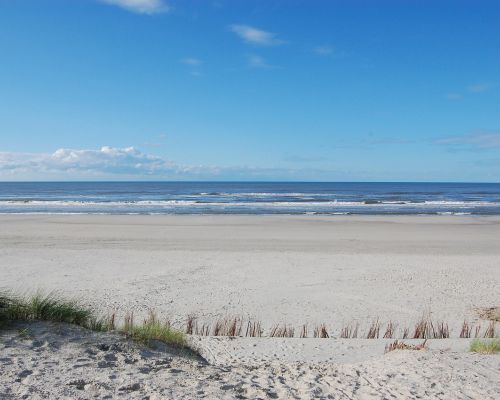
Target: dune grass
pixel 152 329
pixel 43 307
pixel 485 346
pixel 54 308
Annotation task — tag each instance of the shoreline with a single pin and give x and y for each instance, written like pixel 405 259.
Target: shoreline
pixel 494 217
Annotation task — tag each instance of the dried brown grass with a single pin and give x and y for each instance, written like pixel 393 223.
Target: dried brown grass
pixel 236 326
pixel 397 345
pixel 374 331
pixel 282 331
pixel 349 332
pixel 321 332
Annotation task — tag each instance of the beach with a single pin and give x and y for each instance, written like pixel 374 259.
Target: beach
pixel 293 269
pixel 290 270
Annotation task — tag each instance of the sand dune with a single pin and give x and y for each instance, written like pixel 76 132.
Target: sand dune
pixel 42 360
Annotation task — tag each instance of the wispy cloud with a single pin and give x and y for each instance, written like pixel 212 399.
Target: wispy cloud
pixel 140 6
pixel 323 50
pixel 454 96
pixel 480 87
pixel 256 61
pixel 372 142
pixel 255 36
pixel 192 61
pixel 157 141
pixel 481 140
pixel 194 65
pixel 475 89
pixel 388 140
pixel 303 159
pixel 489 162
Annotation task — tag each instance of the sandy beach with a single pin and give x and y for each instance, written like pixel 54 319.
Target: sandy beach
pixel 293 269
pixel 297 270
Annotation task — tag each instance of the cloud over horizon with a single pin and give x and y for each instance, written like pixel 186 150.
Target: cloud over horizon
pixel 105 161
pixel 126 163
pixel 140 6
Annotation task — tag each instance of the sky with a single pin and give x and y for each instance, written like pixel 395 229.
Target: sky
pixel 250 90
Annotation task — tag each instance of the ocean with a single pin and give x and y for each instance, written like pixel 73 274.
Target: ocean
pixel 248 198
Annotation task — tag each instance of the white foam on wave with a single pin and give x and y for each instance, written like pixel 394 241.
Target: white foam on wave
pixel 253 204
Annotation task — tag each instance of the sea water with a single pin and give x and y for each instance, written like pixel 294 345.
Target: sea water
pixel 249 198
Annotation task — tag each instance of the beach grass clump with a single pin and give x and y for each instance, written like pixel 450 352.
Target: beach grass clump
pixel 5 307
pixel 101 324
pixel 153 329
pixel 44 307
pixel 52 307
pixel 485 346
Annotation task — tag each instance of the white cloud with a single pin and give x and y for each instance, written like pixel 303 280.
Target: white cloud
pixel 478 140
pixel 105 161
pixel 255 36
pixel 476 88
pixel 128 163
pixel 303 159
pixel 256 61
pixel 194 65
pixel 454 96
pixel 141 6
pixel 324 50
pixel 192 61
pixel 480 87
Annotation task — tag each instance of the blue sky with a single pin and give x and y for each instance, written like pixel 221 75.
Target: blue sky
pixel 250 90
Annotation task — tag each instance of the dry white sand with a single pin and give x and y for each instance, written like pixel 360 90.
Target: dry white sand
pixel 50 361
pixel 294 269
